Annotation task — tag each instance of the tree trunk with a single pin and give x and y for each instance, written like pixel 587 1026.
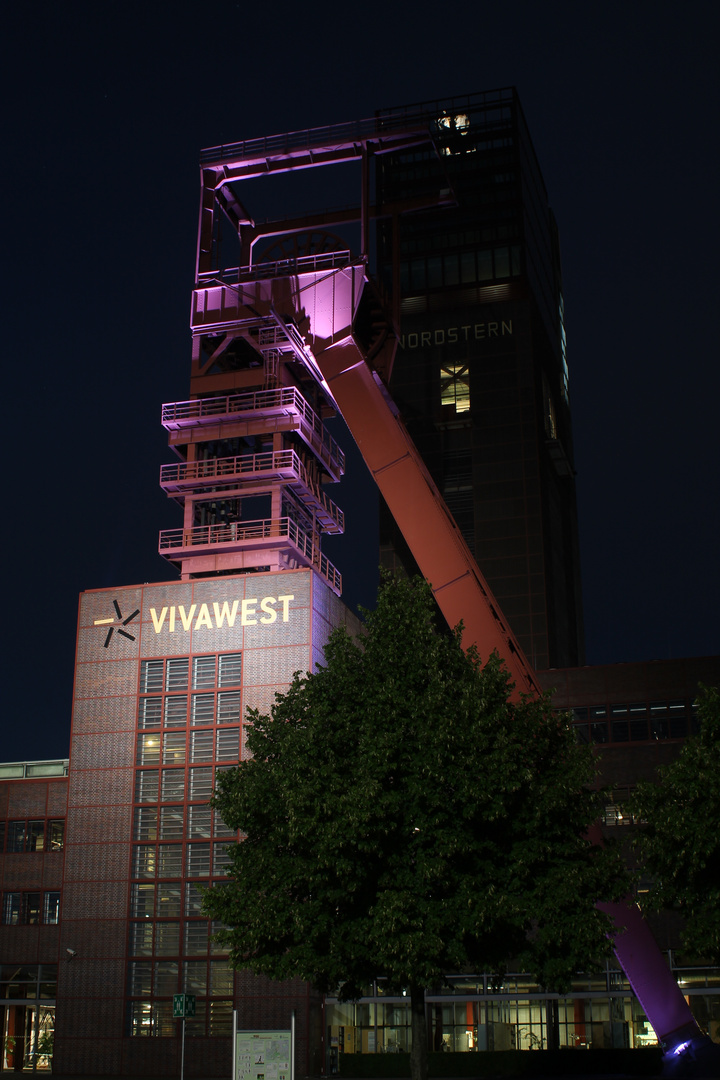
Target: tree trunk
pixel 552 1024
pixel 419 1048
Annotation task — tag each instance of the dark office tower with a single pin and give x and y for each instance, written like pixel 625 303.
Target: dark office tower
pixel 481 376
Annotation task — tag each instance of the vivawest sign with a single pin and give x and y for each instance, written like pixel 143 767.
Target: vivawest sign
pixel 176 618
pixel 252 611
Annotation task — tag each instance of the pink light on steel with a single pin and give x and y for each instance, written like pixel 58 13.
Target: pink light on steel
pixel 254 471
pixel 264 536
pixel 285 402
pixel 648 973
pixel 328 260
pixel 280 401
pixel 324 305
pixel 310 148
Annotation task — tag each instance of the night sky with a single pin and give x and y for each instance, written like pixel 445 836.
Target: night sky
pixel 105 109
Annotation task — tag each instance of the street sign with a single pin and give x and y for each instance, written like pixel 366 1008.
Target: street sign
pixel 183 1005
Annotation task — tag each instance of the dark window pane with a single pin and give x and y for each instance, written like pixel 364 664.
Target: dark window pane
pixel 51 908
pixel 203 673
pixel 56 835
pixel 31 909
pixel 11 908
pixel 176 676
pixel 35 838
pixel 146 785
pixel 230 673
pixel 151 676
pixel 16 836
pixel 639 730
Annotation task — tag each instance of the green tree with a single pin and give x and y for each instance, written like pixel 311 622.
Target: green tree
pixel 403 818
pixel 680 842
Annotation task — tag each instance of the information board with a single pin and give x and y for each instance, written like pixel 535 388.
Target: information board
pixel 262 1055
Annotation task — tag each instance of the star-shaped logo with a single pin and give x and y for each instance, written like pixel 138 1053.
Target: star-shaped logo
pixel 124 622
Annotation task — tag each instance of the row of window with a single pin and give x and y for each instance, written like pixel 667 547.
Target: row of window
pixel 164 938
pixel 30 908
pixel 33 835
pixel 207 980
pixel 171 748
pixel 155 1019
pixel 601 1023
pixel 167 899
pixel 28 981
pixel 169 861
pixel 205 673
pixel 638 721
pixel 160 978
pixel 172 710
pixel 171 785
pixel 176 822
pixel 463 268
pixel 504 225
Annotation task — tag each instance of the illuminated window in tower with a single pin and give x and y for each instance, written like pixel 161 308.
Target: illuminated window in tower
pixel 452 129
pixel 455 386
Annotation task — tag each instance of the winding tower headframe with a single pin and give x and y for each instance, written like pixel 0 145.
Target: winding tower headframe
pixel 255 453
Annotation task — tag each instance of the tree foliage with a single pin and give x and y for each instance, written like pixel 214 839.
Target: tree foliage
pixel 403 818
pixel 680 842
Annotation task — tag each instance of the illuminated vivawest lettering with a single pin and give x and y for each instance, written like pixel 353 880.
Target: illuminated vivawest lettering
pixel 451 335
pixel 252 612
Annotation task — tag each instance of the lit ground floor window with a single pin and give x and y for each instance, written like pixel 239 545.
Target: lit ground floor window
pixel 27 1016
pixel 481 1013
pixel 491 1024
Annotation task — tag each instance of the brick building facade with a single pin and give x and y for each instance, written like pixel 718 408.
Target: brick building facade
pixel 164 675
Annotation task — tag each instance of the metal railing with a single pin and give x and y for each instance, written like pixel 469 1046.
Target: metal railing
pixel 307 139
pixel 226 468
pixel 303 264
pixel 178 414
pixel 280 463
pixel 174 541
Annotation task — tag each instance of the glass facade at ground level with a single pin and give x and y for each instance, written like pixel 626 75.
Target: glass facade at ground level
pixel 27 1016
pixel 484 1013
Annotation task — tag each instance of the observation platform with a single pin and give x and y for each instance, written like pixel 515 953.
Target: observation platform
pixel 234 545
pixel 256 412
pixel 230 474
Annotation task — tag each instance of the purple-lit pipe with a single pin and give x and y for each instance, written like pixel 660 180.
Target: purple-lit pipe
pixel 652 980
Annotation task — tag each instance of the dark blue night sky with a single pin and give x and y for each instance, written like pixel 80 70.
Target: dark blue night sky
pixel 106 108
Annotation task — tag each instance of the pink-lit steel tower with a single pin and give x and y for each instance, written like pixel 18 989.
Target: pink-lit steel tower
pixel 255 454
pixel 255 451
